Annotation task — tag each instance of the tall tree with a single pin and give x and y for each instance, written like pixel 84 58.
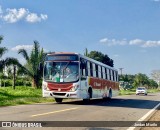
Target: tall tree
pixel 152 84
pixel 32 62
pixel 101 57
pixel 3 50
pixel 86 52
pixel 141 80
pixel 7 61
pixel 156 76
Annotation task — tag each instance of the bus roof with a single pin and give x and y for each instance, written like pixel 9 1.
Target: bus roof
pixel 56 53
pixel 85 57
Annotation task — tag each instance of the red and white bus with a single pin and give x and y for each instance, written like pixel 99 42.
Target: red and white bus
pixel 72 75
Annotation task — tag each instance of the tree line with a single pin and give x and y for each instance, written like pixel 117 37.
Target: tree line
pixel 138 80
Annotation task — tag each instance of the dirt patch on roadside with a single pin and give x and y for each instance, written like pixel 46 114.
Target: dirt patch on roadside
pixel 154 117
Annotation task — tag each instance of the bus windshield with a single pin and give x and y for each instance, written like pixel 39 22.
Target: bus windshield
pixel 61 71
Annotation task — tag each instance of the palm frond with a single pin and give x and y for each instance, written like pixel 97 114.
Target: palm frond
pixel 2 51
pixel 1 38
pixel 14 61
pixel 24 54
pixel 2 64
pixel 11 61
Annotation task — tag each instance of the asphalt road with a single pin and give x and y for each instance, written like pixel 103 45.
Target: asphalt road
pixel 120 108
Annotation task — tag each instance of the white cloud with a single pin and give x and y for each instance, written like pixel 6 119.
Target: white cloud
pixel 27 47
pixel 103 40
pixel 156 0
pixel 44 16
pixel 111 42
pixel 32 17
pixel 15 15
pixel 138 42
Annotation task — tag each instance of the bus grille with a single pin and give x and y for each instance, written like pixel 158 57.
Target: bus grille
pixel 59 94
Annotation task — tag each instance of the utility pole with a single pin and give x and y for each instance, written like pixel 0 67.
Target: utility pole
pixel 121 70
pixel 14 76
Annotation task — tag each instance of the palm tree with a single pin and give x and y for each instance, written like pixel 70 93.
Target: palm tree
pixel 3 50
pixel 8 61
pixel 32 62
pixel 86 52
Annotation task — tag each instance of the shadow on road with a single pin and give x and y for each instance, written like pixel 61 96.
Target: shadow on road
pixel 116 102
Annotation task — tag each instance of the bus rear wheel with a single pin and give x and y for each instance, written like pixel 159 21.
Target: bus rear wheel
pixel 58 100
pixel 89 96
pixel 110 94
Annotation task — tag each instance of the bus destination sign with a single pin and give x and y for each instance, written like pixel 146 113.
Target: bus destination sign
pixel 62 57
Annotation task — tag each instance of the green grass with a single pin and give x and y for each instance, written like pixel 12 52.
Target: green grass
pixel 21 95
pixel 133 91
pixel 127 92
pixel 29 95
pixel 153 90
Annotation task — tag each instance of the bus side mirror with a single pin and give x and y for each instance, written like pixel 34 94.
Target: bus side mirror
pixel 40 67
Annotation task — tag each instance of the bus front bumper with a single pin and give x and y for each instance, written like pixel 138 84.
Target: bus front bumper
pixel 56 94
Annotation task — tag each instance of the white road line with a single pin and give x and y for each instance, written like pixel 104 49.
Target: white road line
pixel 145 116
pixel 47 113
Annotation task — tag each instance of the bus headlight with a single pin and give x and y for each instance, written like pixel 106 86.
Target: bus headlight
pixel 74 88
pixel 45 86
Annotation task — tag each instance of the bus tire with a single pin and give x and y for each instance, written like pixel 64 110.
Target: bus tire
pixel 58 100
pixel 110 94
pixel 86 101
pixel 90 92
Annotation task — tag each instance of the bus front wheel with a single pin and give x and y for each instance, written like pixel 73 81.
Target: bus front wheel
pixel 58 100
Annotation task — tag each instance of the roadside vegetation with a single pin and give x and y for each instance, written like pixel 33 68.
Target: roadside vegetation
pixel 133 91
pixel 21 95
pixel 129 82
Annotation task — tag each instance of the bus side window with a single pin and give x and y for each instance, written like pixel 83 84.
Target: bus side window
pixel 116 76
pixel 99 71
pixel 94 70
pixel 84 71
pixel 110 76
pixel 88 68
pixel 91 69
pixel 106 73
pixel 103 72
pixel 113 75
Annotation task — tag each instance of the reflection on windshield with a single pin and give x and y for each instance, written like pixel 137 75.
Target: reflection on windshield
pixel 61 71
pixel 141 88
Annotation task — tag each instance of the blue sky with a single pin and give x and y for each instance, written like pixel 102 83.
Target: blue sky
pixel 127 30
